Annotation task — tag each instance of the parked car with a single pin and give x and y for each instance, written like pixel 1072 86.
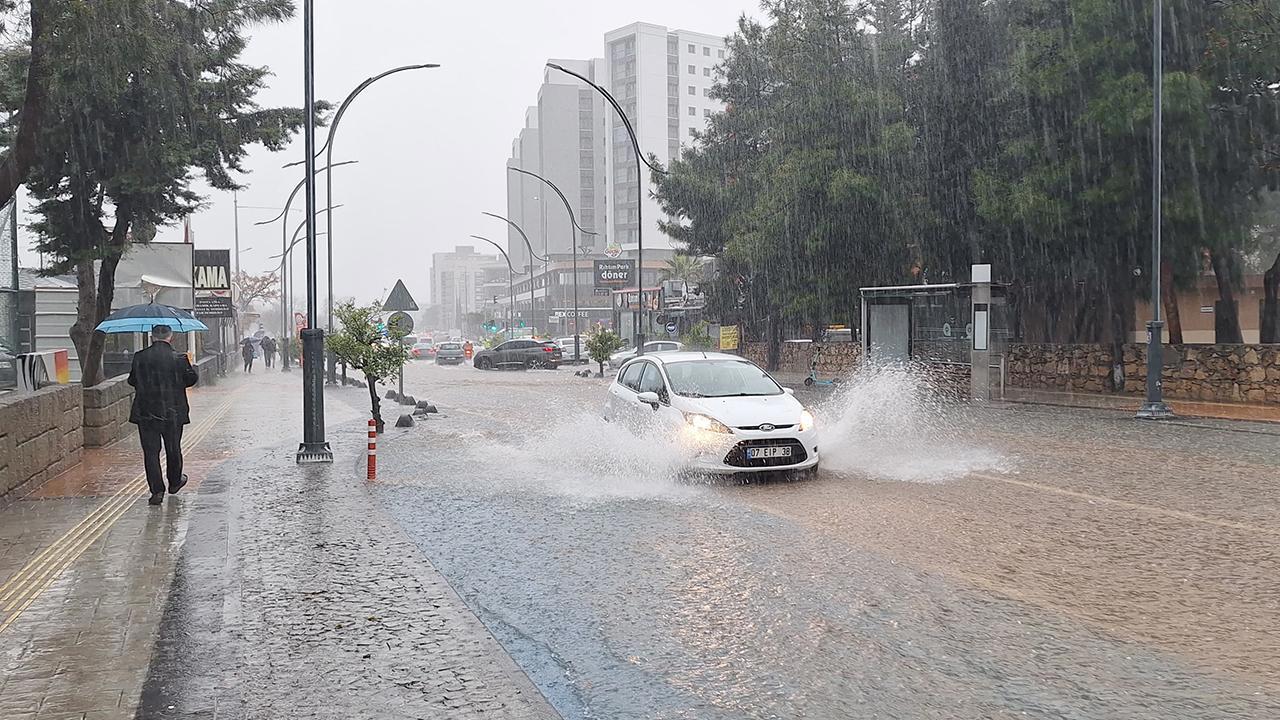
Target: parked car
pixel 566 346
pixel 619 358
pixel 725 414
pixel 8 368
pixel 520 353
pixel 449 353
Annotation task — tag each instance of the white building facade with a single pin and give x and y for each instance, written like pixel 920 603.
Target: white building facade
pixel 461 283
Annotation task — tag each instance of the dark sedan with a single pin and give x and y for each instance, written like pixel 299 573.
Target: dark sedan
pixel 527 354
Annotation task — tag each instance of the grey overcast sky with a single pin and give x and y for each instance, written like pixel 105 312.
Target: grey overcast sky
pixel 431 145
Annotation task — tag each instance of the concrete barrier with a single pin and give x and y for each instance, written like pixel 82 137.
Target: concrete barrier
pixel 106 411
pixel 40 436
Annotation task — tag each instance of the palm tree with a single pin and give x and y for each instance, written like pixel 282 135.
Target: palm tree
pixel 684 269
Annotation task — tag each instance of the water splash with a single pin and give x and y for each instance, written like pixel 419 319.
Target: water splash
pixel 894 423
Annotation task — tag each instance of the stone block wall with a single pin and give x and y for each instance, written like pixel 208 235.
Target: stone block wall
pixel 836 358
pixel 106 411
pixel 40 436
pixel 1213 373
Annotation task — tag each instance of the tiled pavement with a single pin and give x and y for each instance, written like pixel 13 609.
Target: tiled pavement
pixel 264 590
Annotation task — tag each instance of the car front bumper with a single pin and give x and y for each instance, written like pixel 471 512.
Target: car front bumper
pixel 721 454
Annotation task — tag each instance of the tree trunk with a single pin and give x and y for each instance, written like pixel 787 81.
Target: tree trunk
pixel 82 330
pixel 1169 298
pixel 1270 331
pixel 95 299
pixel 375 402
pixel 774 354
pixel 13 169
pixel 1226 318
pixel 1121 312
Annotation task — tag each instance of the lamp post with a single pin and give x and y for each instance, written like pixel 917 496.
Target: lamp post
pixel 286 270
pixel 577 352
pixel 313 448
pixel 1154 408
pixel 328 150
pixel 511 273
pixel 641 162
pixel 532 256
pixel 285 280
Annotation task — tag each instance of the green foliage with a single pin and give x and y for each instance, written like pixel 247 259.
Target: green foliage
pixel 697 337
pixel 359 344
pixel 602 343
pixel 896 141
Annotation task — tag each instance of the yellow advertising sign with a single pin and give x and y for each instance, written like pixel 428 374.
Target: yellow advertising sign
pixel 728 337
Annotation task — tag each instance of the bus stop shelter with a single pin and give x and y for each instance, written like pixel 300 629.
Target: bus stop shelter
pixel 964 327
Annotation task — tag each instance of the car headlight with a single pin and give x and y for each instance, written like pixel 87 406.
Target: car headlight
pixel 806 420
pixel 705 423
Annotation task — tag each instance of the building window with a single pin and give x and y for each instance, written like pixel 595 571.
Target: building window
pixel 706 112
pixel 693 49
pixel 706 92
pixel 693 111
pixel 692 132
pixel 693 70
pixel 706 51
pixel 693 90
pixel 720 53
pixel 706 71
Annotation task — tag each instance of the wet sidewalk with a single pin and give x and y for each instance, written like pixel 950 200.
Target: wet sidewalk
pixel 263 590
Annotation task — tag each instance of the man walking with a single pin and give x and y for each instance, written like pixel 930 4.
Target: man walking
pixel 246 354
pixel 269 350
pixel 160 377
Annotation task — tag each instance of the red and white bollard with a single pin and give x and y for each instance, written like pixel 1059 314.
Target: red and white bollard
pixel 373 449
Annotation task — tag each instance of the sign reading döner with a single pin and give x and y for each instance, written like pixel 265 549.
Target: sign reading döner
pixel 615 273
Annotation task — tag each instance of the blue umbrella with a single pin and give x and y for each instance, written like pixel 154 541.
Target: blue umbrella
pixel 141 318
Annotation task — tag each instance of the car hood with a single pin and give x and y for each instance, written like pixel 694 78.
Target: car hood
pixel 746 411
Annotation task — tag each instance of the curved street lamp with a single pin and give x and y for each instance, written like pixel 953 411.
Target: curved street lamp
pixel 286 272
pixel 532 256
pixel 641 162
pixel 284 241
pixel 577 352
pixel 511 298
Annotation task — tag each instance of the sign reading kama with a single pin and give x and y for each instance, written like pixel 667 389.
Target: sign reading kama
pixel 211 282
pixel 615 274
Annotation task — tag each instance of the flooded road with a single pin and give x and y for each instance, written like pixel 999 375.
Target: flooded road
pixel 946 562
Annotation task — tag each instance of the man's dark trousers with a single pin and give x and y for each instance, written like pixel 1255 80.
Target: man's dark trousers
pixel 152 436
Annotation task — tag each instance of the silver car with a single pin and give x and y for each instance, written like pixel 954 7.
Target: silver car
pixel 450 353
pixel 620 358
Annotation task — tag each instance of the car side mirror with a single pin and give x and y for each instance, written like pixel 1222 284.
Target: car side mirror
pixel 789 391
pixel 649 398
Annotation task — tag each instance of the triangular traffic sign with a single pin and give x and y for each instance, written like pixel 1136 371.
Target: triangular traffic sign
pixel 400 299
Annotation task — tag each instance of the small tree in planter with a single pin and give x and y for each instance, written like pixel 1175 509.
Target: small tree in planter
pixel 361 345
pixel 601 344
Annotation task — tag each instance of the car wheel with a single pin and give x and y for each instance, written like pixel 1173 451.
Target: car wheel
pixel 484 364
pixel 808 382
pixel 532 364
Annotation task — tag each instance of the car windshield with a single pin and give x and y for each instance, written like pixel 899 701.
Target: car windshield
pixel 720 378
pixel 449 346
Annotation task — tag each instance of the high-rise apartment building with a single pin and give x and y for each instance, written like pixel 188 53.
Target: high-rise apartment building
pixel 662 78
pixel 462 282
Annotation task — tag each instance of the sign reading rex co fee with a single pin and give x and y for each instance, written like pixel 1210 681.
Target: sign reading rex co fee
pixel 615 273
pixel 211 283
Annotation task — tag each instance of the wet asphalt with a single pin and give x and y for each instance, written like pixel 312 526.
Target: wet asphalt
pixel 948 561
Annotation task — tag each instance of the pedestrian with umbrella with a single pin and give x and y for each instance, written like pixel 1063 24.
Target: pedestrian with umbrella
pixel 160 377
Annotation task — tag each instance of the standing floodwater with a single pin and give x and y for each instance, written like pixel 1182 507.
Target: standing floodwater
pixel 871 590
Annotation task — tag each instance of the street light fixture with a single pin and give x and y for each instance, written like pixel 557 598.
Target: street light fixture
pixel 641 162
pixel 284 244
pixel 1154 408
pixel 532 256
pixel 577 343
pixel 511 273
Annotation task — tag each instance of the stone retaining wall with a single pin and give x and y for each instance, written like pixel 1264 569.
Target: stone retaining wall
pixel 40 436
pixel 836 358
pixel 106 411
pixel 1214 373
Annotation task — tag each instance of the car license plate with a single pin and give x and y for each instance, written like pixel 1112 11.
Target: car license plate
pixel 760 453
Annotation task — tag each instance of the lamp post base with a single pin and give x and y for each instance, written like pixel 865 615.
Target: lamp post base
pixel 314 453
pixel 1155 411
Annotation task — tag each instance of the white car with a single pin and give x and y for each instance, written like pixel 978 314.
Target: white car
pixel 617 359
pixel 725 414
pixel 566 346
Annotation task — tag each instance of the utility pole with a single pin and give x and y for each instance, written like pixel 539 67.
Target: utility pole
pixel 314 448
pixel 1154 408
